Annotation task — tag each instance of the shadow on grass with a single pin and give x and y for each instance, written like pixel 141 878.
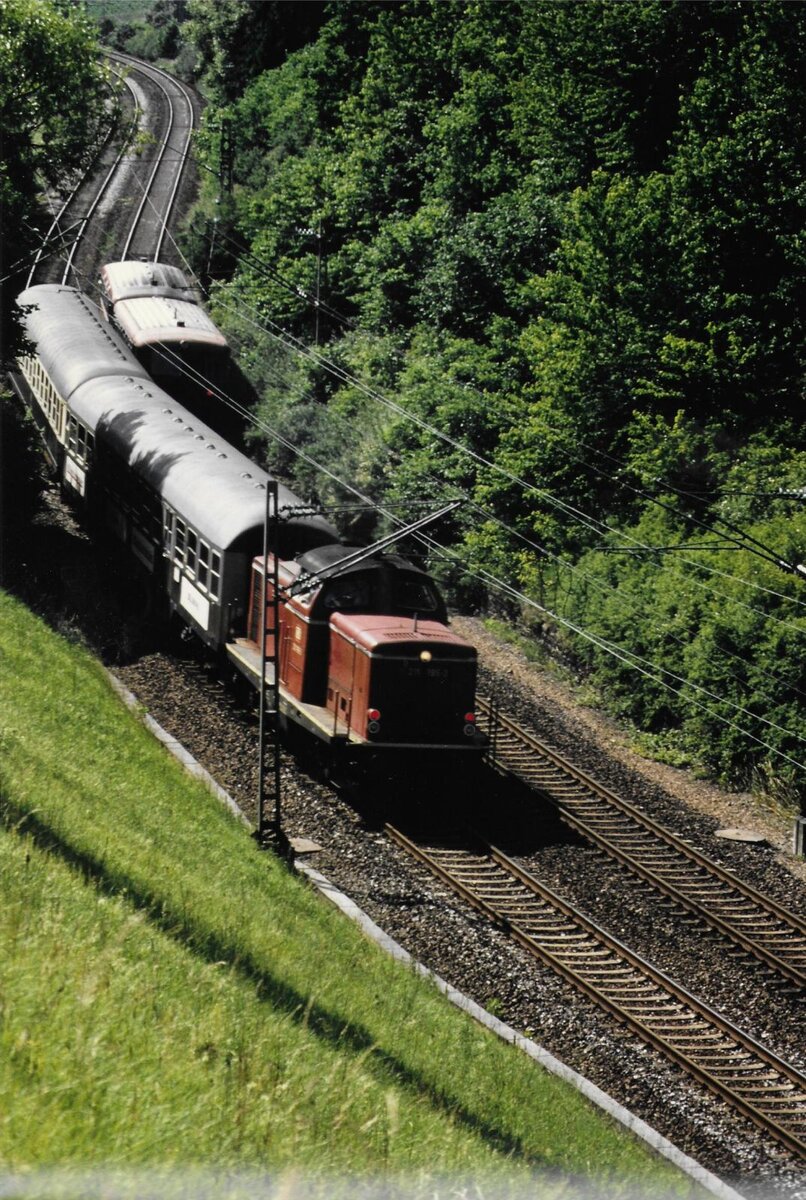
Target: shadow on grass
pixel 210 946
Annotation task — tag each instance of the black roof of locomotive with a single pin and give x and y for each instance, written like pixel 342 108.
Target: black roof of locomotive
pixel 322 557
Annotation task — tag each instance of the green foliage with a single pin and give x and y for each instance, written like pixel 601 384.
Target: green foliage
pixel 238 39
pixel 566 240
pixel 171 995
pixel 52 115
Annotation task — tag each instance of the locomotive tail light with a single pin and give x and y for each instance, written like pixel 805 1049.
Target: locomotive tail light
pixel 373 720
pixel 470 725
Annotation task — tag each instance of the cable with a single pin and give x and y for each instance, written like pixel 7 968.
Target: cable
pixel 635 661
pixel 599 527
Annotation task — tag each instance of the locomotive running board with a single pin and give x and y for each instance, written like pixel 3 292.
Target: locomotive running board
pixel 314 717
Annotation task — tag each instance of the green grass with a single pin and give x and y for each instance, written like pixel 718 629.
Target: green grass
pixel 171 995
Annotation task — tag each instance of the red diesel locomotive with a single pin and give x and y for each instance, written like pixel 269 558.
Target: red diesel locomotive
pixel 365 658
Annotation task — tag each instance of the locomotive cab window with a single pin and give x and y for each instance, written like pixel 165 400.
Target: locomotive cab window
pixel 351 594
pixel 412 594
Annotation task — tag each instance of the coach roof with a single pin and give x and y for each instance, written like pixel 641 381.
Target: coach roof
pixel 123 280
pixel 211 485
pixel 73 343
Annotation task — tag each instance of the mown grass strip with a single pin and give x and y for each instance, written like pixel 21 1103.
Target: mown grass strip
pixel 169 994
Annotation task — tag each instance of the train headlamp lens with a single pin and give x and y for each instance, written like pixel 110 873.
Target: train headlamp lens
pixel 374 714
pixel 425 656
pixel 470 718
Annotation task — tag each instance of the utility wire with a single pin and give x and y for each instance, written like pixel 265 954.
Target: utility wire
pixel 591 523
pixel 748 542
pixel 637 662
pixel 288 340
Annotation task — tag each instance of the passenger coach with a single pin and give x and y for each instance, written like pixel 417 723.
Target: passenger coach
pixel 159 314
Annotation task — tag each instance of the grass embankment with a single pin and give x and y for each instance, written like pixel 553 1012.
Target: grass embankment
pixel 169 994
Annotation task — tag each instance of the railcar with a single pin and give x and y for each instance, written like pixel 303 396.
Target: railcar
pixel 365 659
pixel 159 315
pixel 69 346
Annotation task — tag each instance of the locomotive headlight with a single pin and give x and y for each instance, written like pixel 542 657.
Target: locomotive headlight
pixel 425 656
pixel 373 720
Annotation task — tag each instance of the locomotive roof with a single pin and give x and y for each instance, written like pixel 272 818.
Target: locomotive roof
pixel 374 632
pixel 322 557
pixel 122 280
pixel 72 341
pixel 215 488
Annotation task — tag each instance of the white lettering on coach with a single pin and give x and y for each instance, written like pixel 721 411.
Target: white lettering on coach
pixel 194 603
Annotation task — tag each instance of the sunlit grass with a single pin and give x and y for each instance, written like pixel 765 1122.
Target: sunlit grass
pixel 169 994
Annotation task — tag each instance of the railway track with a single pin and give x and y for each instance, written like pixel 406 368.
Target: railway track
pixel 729 1062
pixel 97 225
pixel 168 161
pixel 752 921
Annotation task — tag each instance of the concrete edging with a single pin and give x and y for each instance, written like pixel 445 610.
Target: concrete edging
pixel 656 1141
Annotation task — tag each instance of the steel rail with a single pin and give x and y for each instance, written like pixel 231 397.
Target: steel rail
pixel 184 160
pixel 103 187
pixel 153 175
pixel 82 222
pixel 754 922
pixel 158 76
pixel 729 1062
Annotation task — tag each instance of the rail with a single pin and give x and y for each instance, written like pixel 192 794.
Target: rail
pixel 754 922
pixel 726 1060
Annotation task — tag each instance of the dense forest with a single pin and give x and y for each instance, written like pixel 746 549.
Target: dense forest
pixel 545 258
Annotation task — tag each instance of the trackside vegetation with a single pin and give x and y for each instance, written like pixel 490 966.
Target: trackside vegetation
pixel 54 112
pixel 170 994
pixel 545 258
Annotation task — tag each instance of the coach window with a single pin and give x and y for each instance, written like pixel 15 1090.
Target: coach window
pixel 85 443
pixel 167 527
pixel 202 574
pixel 215 573
pixel 72 434
pixel 179 549
pixel 190 554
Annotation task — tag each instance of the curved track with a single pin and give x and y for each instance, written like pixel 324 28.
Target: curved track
pixel 733 1065
pixel 715 895
pixel 99 221
pixel 167 158
pixel 730 1063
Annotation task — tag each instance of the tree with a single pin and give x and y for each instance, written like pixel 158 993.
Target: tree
pixel 52 113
